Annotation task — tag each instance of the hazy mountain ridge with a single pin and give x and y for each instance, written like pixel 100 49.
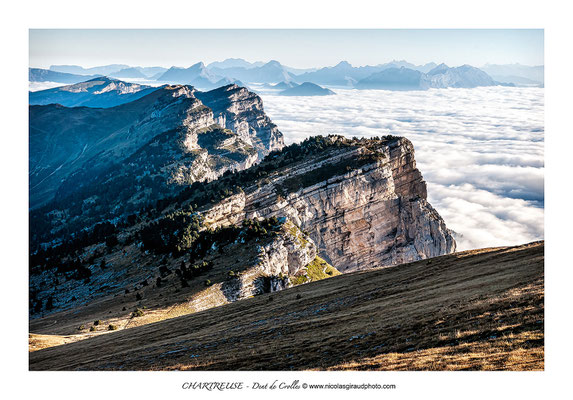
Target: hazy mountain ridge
pixel 516 73
pixel 439 77
pixel 306 89
pixel 129 73
pixel 236 70
pixel 44 75
pixel 98 92
pixel 76 69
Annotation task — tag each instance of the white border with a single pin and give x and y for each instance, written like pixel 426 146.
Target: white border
pixel 17 18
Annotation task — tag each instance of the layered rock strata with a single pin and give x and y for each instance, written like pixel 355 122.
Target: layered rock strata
pixel 375 215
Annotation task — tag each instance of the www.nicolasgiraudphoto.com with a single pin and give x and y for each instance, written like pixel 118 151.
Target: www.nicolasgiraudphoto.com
pixel 281 385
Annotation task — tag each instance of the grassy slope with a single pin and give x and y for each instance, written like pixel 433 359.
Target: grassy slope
pixel 169 300
pixel 480 309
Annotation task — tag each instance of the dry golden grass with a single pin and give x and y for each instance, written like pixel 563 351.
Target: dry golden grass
pixel 502 350
pixel 39 342
pixel 476 310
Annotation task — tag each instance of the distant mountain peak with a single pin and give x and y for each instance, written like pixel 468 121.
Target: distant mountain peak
pixel 273 63
pixel 307 89
pixel 439 69
pixel 233 63
pixel 198 65
pixel 343 64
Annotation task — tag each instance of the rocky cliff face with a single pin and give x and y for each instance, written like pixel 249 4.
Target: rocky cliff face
pixel 277 264
pixel 374 215
pixel 239 110
pixel 351 204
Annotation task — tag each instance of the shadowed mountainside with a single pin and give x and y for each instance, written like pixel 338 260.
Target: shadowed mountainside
pixel 168 135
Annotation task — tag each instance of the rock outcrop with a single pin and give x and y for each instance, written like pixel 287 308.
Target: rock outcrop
pixel 240 110
pixel 370 216
pixel 277 264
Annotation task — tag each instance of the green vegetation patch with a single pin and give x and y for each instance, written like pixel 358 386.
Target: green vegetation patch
pixel 299 280
pixel 297 233
pixel 319 269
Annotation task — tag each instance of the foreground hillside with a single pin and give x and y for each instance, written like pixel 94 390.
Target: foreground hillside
pixel 480 309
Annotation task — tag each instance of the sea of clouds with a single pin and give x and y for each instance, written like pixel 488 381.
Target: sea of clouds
pixel 479 150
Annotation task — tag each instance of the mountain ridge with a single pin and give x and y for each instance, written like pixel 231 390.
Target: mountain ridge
pixel 162 110
pixel 359 204
pixel 342 74
pixel 101 92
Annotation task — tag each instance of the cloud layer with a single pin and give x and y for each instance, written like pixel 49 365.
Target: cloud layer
pixel 480 150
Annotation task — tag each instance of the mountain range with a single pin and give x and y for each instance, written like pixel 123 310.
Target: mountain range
pixel 516 73
pixel 440 76
pixel 44 75
pixel 124 71
pixel 343 74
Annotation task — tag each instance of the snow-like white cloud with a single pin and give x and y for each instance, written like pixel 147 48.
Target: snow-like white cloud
pixel 481 150
pixel 36 86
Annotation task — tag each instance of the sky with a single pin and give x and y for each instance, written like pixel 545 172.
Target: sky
pixel 294 48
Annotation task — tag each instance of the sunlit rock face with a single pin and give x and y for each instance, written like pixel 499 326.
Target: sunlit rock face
pixel 371 216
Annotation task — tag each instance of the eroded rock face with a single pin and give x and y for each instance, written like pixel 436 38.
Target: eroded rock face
pixel 376 215
pixel 277 262
pixel 241 111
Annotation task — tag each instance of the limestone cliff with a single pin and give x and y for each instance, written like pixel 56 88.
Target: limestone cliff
pixel 240 110
pixel 278 263
pixel 355 203
pixel 376 214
